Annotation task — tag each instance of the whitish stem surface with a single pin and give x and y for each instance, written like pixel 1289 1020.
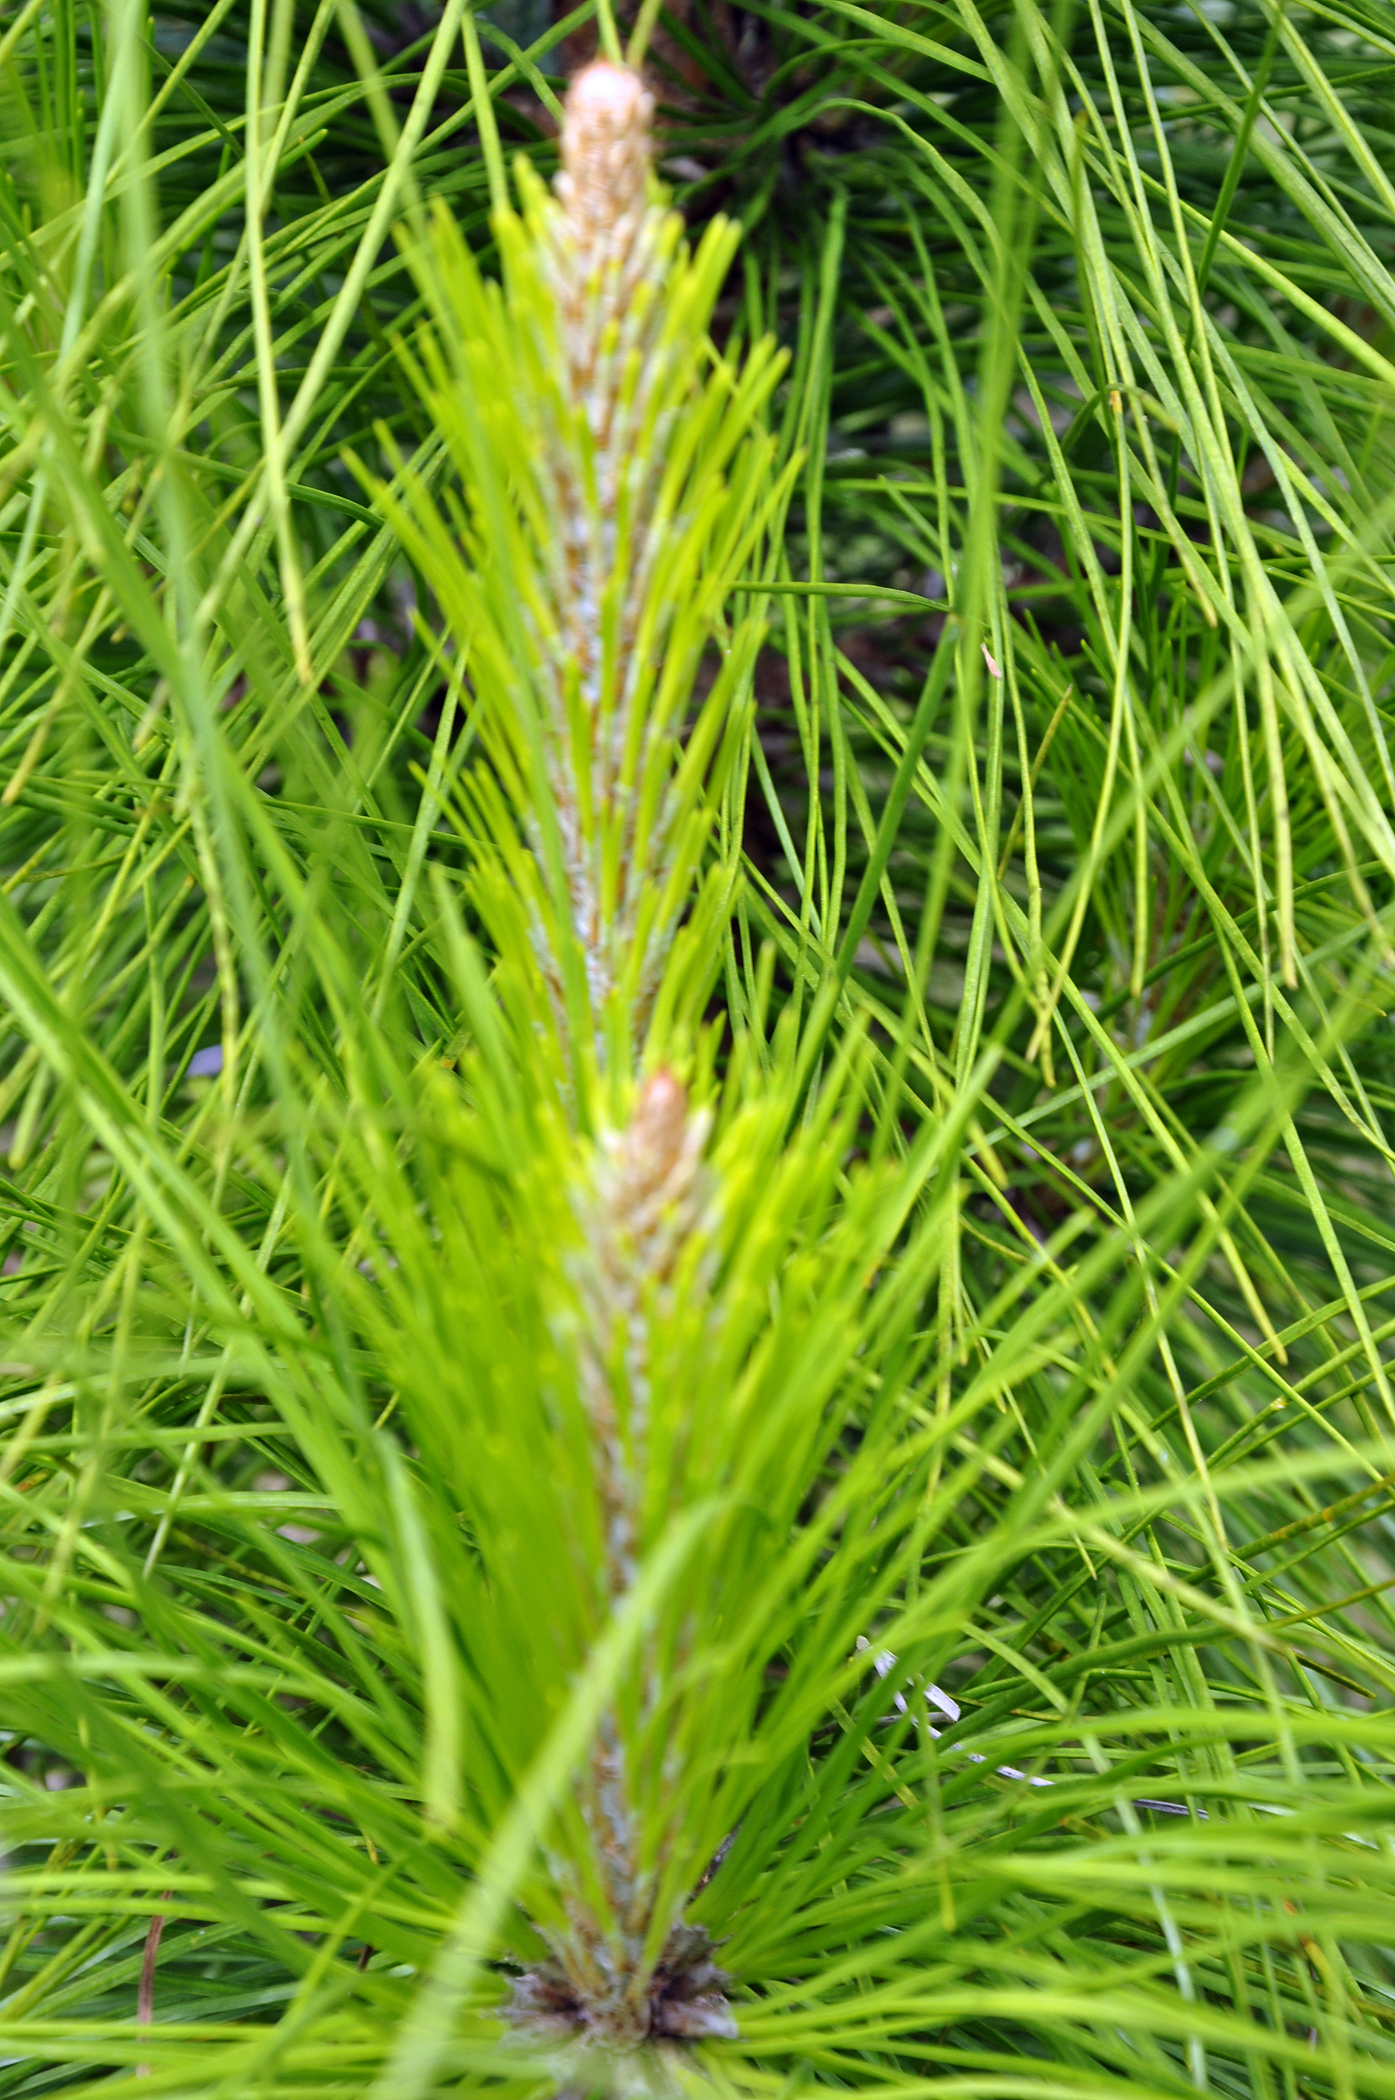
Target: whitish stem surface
pixel 641 1217
pixel 606 255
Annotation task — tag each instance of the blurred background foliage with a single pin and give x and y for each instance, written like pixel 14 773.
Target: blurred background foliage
pixel 1071 784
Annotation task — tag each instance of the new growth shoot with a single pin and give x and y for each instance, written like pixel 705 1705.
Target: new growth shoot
pixel 618 480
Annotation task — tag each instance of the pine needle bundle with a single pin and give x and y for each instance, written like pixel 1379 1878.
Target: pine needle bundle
pixel 695 950
pixel 618 481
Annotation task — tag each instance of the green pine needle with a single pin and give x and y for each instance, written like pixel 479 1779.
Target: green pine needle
pixel 897 1391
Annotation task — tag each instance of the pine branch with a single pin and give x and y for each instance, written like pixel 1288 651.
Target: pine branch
pixel 617 481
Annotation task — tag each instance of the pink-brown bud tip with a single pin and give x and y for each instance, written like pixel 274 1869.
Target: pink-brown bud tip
pixel 605 146
pixel 656 1133
pixel 606 97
